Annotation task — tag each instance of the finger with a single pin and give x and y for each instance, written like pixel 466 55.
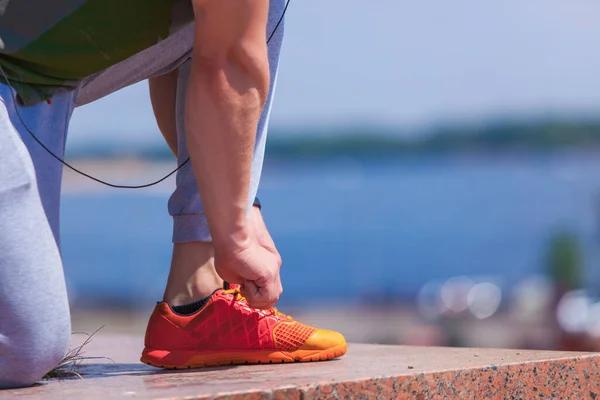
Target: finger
pixel 249 290
pixel 260 303
pixel 279 287
pixel 255 295
pixel 258 297
pixel 272 291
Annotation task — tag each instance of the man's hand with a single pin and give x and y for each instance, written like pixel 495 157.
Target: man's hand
pixel 255 266
pixel 256 269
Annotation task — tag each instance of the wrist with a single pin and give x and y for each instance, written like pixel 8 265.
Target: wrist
pixel 232 240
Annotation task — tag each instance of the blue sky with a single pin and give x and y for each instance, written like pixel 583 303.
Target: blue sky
pixel 410 64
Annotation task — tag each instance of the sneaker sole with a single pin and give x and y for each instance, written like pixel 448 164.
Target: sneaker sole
pixel 189 359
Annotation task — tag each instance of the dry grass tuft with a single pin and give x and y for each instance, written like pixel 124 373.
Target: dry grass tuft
pixel 69 365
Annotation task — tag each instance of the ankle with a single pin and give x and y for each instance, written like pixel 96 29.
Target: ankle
pixel 187 294
pixel 192 276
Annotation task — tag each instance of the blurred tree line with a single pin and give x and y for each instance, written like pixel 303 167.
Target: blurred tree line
pixel 495 137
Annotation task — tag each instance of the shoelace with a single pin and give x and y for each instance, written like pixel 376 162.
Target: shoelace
pixel 239 297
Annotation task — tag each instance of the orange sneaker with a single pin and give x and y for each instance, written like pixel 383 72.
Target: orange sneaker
pixel 226 330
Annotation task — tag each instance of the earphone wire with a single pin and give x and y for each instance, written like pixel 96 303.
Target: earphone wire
pixel 66 164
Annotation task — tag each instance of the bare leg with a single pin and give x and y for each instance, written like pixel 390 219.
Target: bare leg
pixel 192 275
pixel 163 94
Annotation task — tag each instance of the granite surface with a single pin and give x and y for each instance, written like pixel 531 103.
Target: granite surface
pixel 366 372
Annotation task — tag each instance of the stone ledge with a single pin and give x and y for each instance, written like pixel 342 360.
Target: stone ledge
pixel 367 371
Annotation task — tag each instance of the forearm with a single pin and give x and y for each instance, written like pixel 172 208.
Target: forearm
pixel 227 90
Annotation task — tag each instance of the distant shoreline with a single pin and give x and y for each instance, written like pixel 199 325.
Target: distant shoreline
pixel 375 142
pixel 139 170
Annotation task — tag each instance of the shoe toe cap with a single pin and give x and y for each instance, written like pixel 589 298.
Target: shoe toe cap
pixel 322 340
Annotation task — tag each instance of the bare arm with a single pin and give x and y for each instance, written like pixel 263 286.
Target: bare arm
pixel 228 86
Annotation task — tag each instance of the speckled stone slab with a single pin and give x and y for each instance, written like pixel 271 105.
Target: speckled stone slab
pixel 366 372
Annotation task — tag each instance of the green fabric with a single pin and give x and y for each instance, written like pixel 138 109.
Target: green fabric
pixel 96 35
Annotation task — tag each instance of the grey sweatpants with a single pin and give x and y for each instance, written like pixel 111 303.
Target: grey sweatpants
pixel 34 311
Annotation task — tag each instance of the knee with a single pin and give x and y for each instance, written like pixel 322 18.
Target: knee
pixel 25 357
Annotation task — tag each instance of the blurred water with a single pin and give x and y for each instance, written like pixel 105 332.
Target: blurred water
pixel 347 227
